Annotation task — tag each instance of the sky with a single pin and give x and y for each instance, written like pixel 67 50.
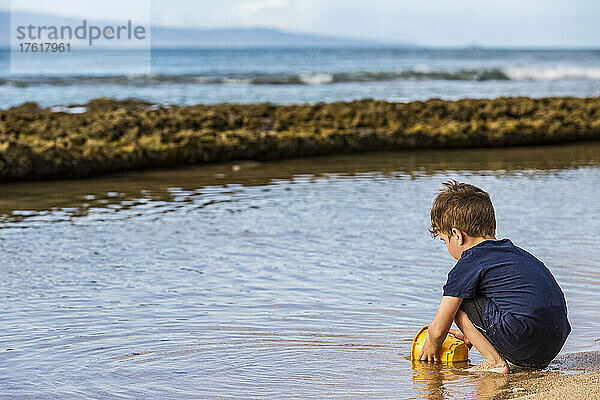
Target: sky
pixel 438 23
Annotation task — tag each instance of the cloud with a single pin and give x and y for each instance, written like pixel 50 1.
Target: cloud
pixel 290 15
pixel 106 10
pixel 255 12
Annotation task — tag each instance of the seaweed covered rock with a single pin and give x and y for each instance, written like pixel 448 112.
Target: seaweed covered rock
pixel 115 135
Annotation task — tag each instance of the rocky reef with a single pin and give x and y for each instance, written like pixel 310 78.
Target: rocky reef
pixel 113 135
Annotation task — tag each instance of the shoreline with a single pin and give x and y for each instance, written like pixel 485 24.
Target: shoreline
pixel 571 375
pixel 577 377
pixel 581 386
pixel 111 135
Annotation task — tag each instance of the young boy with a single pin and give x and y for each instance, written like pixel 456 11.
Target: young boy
pixel 505 301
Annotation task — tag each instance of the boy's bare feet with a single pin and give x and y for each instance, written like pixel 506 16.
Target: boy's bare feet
pixel 499 367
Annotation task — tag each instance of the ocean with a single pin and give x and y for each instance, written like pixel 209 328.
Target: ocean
pixel 285 76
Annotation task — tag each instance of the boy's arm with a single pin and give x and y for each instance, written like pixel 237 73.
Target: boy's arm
pixel 439 327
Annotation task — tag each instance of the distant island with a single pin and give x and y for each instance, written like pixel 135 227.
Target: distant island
pixel 251 38
pixel 172 37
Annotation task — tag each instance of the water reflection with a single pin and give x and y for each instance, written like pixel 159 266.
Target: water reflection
pixel 435 381
pixel 431 379
pixel 158 190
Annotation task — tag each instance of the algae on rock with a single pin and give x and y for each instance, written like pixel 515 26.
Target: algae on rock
pixel 114 135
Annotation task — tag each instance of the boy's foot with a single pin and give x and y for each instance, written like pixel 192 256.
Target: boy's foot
pixel 499 367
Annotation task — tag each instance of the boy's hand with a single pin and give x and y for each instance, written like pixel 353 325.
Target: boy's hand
pixel 430 351
pixel 438 329
pixel 459 335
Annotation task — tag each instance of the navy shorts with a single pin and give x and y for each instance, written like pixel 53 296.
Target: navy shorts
pixel 474 307
pixel 474 310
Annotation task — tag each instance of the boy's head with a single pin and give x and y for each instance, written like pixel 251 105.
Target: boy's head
pixel 463 212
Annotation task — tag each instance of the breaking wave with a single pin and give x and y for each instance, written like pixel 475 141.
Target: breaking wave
pixel 553 73
pixel 420 72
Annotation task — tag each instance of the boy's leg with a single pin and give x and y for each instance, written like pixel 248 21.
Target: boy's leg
pixel 493 360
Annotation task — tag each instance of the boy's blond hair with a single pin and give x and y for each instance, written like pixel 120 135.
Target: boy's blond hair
pixel 465 207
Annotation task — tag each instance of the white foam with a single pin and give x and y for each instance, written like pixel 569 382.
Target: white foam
pixel 70 110
pixel 552 73
pixel 237 81
pixel 423 68
pixel 316 78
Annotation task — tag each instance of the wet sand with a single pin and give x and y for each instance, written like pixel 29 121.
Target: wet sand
pixel 577 376
pixel 584 386
pixel 580 381
pixel 570 376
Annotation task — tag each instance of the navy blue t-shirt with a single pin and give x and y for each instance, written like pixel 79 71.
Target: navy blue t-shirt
pixel 524 313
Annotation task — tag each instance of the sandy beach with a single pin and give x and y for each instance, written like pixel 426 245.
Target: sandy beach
pixel 581 381
pixel 573 376
pixel 582 386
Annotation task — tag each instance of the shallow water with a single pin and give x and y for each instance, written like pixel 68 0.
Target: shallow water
pixel 298 278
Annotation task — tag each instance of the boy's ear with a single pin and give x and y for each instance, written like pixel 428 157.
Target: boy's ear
pixel 459 235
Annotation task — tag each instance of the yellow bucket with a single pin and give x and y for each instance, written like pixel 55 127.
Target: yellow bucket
pixel 453 349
